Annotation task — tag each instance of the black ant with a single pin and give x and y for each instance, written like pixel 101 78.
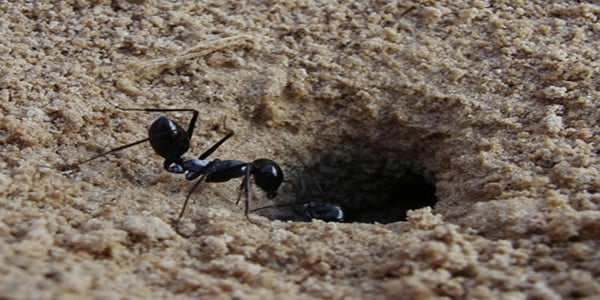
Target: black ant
pixel 312 199
pixel 171 141
pixel 315 205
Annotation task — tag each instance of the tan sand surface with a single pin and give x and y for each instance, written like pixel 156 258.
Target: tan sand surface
pixel 496 102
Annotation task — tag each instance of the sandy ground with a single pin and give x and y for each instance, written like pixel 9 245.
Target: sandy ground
pixel 495 102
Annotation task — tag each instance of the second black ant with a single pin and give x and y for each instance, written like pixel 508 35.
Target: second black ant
pixel 315 204
pixel 171 142
pixel 311 200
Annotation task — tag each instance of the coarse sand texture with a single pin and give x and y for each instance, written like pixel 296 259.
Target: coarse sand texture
pixel 460 138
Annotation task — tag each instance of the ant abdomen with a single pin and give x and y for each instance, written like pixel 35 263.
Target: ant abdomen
pixel 168 139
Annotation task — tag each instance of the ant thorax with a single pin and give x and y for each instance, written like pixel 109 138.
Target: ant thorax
pixel 195 167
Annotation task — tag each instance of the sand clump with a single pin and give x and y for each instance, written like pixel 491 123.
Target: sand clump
pixel 495 103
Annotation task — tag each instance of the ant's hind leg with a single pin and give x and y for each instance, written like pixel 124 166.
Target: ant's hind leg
pixel 75 165
pixel 218 144
pixel 191 125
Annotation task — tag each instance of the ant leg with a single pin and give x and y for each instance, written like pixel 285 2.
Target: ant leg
pixel 214 147
pixel 191 125
pixel 295 188
pixel 275 205
pixel 193 189
pixel 72 166
pixel 246 187
pixel 187 198
pixel 299 184
pixel 189 132
pixel 240 190
pixel 305 170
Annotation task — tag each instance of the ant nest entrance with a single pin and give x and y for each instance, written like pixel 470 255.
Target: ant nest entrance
pixel 363 189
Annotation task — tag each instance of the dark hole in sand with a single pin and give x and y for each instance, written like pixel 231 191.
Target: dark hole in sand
pixel 367 189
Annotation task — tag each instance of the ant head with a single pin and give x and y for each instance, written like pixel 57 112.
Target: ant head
pixel 323 211
pixel 267 175
pixel 168 139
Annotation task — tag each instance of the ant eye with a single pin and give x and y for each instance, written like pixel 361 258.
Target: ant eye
pixel 267 175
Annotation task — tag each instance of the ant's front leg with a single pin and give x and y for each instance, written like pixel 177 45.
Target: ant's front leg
pixel 245 189
pixel 205 172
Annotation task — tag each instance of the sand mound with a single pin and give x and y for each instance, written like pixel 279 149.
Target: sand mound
pixel 497 106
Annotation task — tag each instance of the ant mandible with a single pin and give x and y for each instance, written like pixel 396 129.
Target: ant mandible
pixel 171 142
